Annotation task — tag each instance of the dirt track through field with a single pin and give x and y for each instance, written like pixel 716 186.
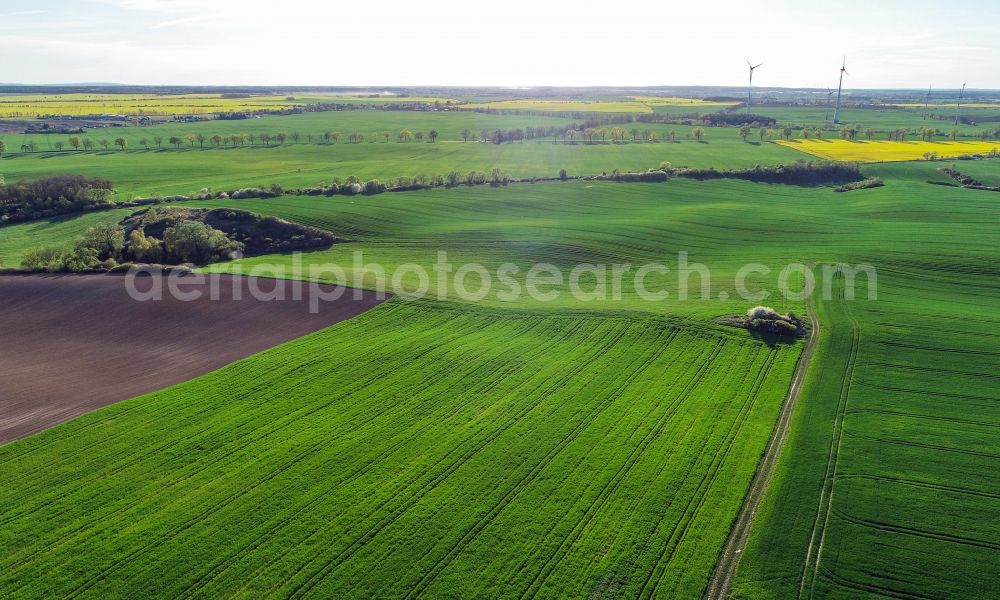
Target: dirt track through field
pixel 70 344
pixel 725 568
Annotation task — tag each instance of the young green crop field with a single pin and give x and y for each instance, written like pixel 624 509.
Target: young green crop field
pixel 882 120
pixel 898 434
pixel 564 448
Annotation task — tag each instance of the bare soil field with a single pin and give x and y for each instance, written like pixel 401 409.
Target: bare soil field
pixel 70 344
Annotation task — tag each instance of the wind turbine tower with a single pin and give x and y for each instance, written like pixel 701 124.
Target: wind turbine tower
pixel 958 107
pixel 750 85
pixel 840 87
pixel 927 101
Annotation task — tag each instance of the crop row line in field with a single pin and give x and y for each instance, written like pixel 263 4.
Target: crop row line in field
pixel 901 442
pixel 871 589
pixel 613 484
pixel 682 395
pixel 331 564
pixel 816 539
pixel 939 370
pixel 915 531
pixel 924 484
pixel 203 515
pixel 898 344
pixel 926 392
pixel 708 478
pixel 921 417
pixel 681 524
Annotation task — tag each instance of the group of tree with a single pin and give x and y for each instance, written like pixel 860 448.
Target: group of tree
pixel 800 172
pixel 53 195
pixel 105 246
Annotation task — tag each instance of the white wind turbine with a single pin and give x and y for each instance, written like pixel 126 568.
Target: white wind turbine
pixel 750 85
pixel 958 107
pixel 840 87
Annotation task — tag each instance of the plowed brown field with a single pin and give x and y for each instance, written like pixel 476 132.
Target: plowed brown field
pixel 70 344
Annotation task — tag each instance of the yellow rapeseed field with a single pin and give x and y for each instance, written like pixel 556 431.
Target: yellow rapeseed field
pixel 33 106
pixel 134 104
pixel 886 151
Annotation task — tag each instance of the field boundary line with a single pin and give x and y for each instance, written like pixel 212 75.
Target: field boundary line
pixel 725 568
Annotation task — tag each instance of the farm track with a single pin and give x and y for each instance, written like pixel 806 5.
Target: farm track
pixel 721 579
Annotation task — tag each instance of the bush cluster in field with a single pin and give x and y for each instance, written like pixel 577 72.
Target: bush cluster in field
pixel 871 182
pixel 766 319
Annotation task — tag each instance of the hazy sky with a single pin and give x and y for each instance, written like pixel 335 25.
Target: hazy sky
pixel 891 43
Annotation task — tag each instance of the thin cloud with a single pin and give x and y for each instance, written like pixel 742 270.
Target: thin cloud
pixel 195 20
pixel 23 13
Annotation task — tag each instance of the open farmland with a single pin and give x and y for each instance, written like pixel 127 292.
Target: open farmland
pixel 902 377
pixel 885 151
pixel 533 453
pixel 498 448
pixel 645 301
